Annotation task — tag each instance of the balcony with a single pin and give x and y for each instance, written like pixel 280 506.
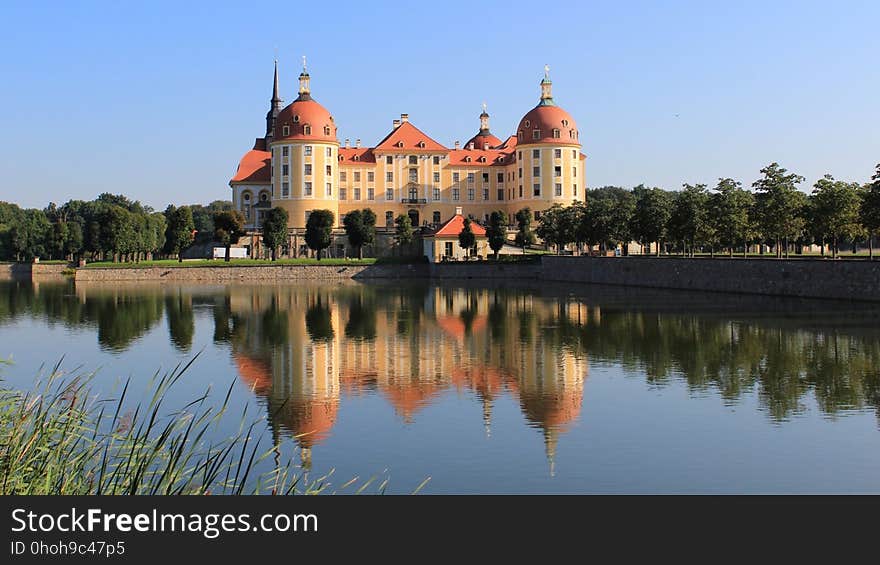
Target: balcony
pixel 413 200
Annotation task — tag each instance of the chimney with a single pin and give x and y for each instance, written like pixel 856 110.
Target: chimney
pixel 470 145
pixel 485 146
pixel 357 143
pixel 347 143
pixel 458 210
pixel 404 118
pixel 395 124
pixel 457 145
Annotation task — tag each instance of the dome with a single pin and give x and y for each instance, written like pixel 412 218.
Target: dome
pixel 482 138
pixel 544 119
pixel 304 113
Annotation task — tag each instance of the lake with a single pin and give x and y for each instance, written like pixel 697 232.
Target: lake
pixel 518 388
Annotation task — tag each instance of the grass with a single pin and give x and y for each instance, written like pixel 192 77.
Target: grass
pixel 191 263
pixel 64 440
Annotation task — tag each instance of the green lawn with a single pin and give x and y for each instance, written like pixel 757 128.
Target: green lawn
pixel 173 263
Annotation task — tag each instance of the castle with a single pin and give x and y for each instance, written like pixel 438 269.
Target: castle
pixel 300 165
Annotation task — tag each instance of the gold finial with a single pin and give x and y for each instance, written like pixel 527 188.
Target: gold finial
pixel 546 71
pixel 304 63
pixel 484 107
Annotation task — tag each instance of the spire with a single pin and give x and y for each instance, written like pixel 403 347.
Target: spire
pixel 487 416
pixel 275 106
pixel 484 121
pixel 550 440
pixel 304 89
pixel 546 86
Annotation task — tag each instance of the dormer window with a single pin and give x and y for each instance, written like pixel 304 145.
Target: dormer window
pixel 565 123
pixel 555 133
pixel 341 158
pixel 326 130
pixel 519 135
pixel 536 134
pixel 357 157
pixel 482 159
pixel 422 144
pixel 296 119
pixel 285 131
pixel 307 130
pixel 467 159
pixel 527 124
pixel 400 144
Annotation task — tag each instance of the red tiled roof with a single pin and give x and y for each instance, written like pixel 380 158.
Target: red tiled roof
pixel 254 166
pixel 301 113
pixel 490 157
pixel 410 136
pixel 480 139
pixel 453 227
pixel 363 154
pixel 546 119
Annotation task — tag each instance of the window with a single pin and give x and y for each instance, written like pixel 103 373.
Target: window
pixel 327 132
pixel 413 175
pixel 357 176
pixel 574 153
pixel 389 177
pixel 436 217
pixel 436 194
pixel 565 123
pixel 413 160
pixel 356 193
pixel 536 171
pixel 389 160
pixel 500 194
pixel 247 196
pixel 455 194
pixel 470 194
pixel 519 136
pixel 285 151
pixel 485 177
pixel 285 170
pixel 455 177
pixel 307 188
pixel 527 124
pixel 329 189
pixel 329 170
pixel 557 171
pixel 247 211
pixel 536 153
pixel 343 194
pixel 574 189
pixel 329 151
pixel 307 130
pixel 557 189
pixel 536 134
pixel 537 215
pixel 307 170
pixel 485 194
pixel 519 155
pixel 557 153
pixel 413 193
pixel 285 131
pixel 500 178
pixel 520 191
pixel 389 219
pixel 436 159
pixel 555 133
pixel 371 193
pixel 448 248
pixel 436 177
pixel 536 189
pixel 470 178
pixel 307 150
pixel 296 118
pixel 574 172
pixel 520 172
pixel 343 176
pixel 285 189
pixel 264 197
pixel 371 176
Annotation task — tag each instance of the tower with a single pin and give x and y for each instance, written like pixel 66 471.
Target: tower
pixel 275 106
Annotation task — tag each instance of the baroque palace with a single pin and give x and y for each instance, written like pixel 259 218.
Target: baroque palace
pixel 300 165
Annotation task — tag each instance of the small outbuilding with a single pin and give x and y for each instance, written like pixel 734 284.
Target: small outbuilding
pixel 441 244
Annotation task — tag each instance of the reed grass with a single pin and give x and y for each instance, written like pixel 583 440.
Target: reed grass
pixel 63 439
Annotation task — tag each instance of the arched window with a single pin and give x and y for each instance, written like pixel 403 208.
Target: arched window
pixel 326 130
pixel 307 130
pixel 296 119
pixel 285 131
pixel 555 133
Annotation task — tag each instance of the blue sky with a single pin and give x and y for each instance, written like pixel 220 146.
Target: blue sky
pixel 159 100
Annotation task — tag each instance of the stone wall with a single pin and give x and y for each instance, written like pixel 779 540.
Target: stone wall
pixel 30 270
pixel 255 273
pixel 852 280
pixel 486 270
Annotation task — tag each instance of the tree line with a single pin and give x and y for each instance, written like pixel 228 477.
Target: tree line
pixel 110 227
pixel 726 218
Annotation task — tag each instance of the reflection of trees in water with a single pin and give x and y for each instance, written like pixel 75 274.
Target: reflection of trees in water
pixel 181 321
pixel 318 321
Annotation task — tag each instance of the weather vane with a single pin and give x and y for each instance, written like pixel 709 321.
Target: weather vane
pixel 484 106
pixel 546 71
pixel 304 63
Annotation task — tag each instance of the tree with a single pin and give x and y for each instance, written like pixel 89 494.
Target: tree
pixel 118 231
pixel 524 235
pixel 179 231
pixel 30 234
pixel 203 217
pixel 228 228
pixel 780 206
pixel 869 211
pixel 275 229
pixel 729 211
pixel 466 238
pixel 606 219
pixel 360 227
pixel 496 231
pixel 689 218
pixel 555 227
pixel 836 208
pixel 403 232
pixel 319 230
pixel 652 211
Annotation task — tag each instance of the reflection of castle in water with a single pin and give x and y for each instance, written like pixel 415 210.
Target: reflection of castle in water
pixel 300 348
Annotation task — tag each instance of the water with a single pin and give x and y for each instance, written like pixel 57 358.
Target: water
pixel 544 389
